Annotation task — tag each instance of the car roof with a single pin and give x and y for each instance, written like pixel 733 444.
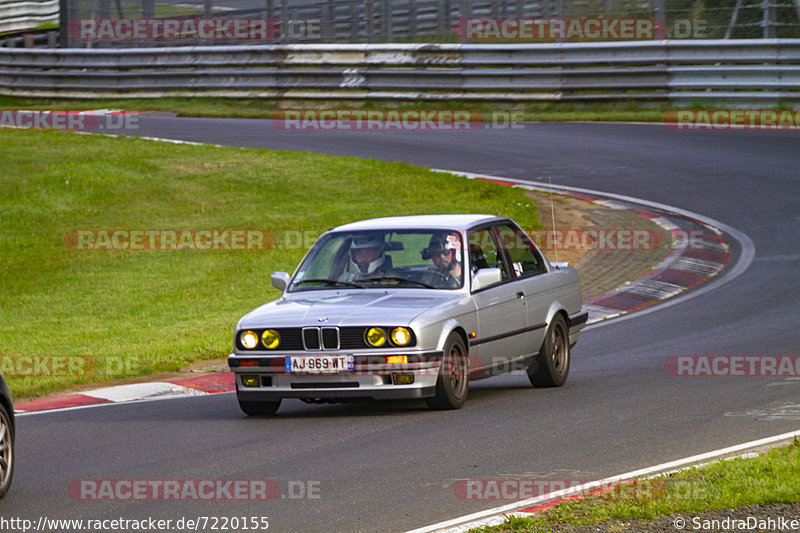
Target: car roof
pixel 444 222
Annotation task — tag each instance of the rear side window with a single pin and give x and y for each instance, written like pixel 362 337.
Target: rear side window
pixel 525 260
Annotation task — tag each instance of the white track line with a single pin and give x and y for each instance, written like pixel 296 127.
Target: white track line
pixel 497 514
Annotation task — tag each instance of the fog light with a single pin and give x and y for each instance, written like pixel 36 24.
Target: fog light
pixel 250 380
pixel 402 379
pixel 396 359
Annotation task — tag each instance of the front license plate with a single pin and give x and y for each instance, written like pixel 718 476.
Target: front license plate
pixel 319 364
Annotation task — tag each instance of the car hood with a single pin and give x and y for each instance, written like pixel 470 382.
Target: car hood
pixel 347 308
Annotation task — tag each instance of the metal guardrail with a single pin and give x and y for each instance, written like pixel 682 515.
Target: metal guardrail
pixel 20 16
pixel 763 71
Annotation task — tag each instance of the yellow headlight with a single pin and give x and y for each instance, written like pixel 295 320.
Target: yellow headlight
pixel 249 339
pixel 271 339
pixel 401 336
pixel 376 337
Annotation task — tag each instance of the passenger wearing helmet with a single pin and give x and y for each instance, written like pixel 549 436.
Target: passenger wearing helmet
pixel 367 257
pixel 445 252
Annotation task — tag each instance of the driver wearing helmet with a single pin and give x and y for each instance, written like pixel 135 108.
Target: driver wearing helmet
pixel 445 251
pixel 367 257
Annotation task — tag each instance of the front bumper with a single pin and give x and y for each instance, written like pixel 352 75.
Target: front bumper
pixel 370 378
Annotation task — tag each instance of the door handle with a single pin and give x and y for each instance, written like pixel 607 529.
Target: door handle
pixel 521 295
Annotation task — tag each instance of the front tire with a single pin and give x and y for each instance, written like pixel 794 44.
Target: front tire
pixel 264 408
pixel 6 451
pixel 452 384
pixel 550 368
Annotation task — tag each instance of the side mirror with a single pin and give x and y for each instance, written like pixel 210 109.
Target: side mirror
pixel 486 277
pixel 280 280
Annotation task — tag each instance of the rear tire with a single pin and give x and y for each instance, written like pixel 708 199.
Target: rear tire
pixel 550 368
pixel 6 451
pixel 264 408
pixel 452 384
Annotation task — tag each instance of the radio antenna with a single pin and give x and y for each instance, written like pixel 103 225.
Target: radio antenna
pixel 553 213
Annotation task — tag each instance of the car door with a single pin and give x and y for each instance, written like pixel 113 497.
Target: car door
pixel 529 269
pixel 501 308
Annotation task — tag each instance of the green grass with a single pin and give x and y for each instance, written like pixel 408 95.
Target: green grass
pixel 143 312
pixel 264 108
pixel 770 478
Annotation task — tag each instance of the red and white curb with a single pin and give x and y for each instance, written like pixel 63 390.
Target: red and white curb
pixel 197 386
pixel 526 508
pixel 691 261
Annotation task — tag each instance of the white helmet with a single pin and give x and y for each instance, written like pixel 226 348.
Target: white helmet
pixel 365 241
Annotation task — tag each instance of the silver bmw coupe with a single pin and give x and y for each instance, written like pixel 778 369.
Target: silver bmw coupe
pixel 409 307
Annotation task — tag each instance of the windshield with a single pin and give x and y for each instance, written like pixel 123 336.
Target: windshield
pixel 431 259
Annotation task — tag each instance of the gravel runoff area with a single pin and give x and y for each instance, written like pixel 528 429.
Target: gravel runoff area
pixel 752 518
pixel 601 271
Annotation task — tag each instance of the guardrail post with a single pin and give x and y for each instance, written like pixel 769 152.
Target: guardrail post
pixel 63 23
pixel 148 9
pixel 284 21
pixel 444 18
pixel 368 26
pixel 768 22
pixel 268 13
pixel 102 9
pixel 387 21
pixel 354 19
pixel 660 14
pixel 412 17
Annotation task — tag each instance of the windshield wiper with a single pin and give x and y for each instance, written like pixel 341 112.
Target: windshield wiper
pixel 398 278
pixel 333 282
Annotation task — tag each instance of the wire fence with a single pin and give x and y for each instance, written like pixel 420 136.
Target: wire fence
pixel 138 23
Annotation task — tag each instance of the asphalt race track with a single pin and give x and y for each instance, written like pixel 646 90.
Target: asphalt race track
pixel 380 467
